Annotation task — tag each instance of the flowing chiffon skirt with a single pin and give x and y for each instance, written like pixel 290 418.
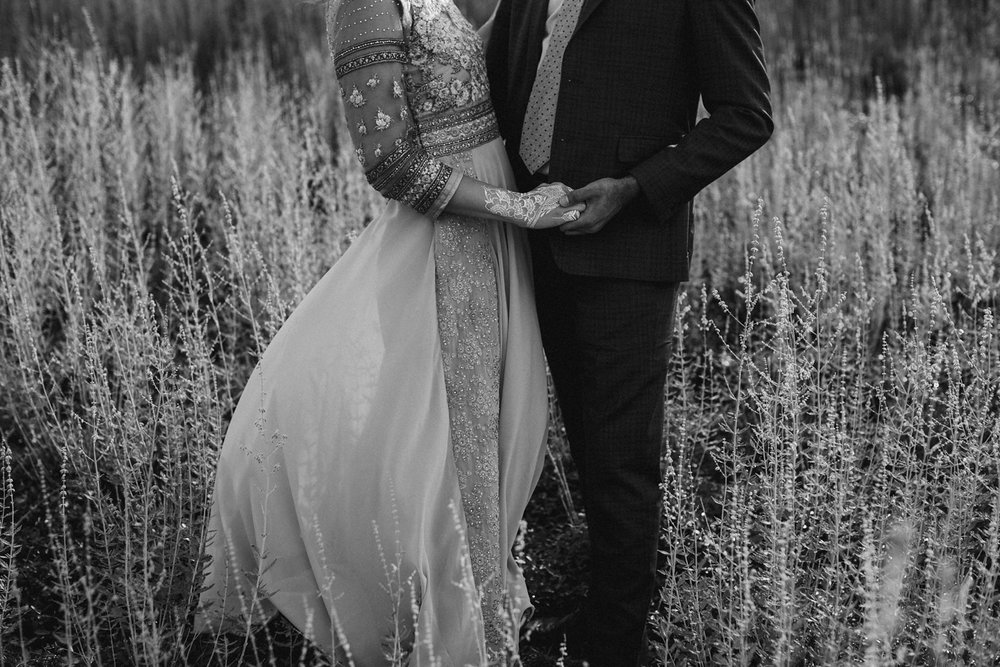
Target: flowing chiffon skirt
pixel 339 492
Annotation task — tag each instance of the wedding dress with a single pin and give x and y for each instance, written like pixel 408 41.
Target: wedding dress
pixel 373 477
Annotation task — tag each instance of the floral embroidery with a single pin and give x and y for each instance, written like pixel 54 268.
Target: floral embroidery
pixel 448 54
pixel 403 113
pixel 382 120
pixel 397 89
pixel 378 151
pixel 357 99
pixel 360 152
pixel 373 81
pixel 362 128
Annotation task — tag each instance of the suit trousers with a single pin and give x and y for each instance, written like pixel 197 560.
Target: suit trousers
pixel 607 344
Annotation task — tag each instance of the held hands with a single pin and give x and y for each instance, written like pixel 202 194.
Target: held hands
pixel 603 198
pixel 551 211
pixel 538 209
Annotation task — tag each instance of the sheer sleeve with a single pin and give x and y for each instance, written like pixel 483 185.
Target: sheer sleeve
pixel 367 39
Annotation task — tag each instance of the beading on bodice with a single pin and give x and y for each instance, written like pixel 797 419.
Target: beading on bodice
pixel 448 85
pixel 447 56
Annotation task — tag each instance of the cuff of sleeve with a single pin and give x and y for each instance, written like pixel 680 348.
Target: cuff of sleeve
pixel 450 187
pixel 655 191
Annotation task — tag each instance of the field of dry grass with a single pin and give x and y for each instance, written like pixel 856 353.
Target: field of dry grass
pixel 172 182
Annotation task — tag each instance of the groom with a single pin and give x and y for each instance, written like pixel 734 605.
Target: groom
pixel 602 95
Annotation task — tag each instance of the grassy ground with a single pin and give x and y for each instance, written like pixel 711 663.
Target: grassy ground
pixel 831 482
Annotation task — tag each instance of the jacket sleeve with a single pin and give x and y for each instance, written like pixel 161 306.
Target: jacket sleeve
pixel 731 74
pixel 367 39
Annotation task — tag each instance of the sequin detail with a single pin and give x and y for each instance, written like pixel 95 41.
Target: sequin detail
pixel 377 44
pixel 408 175
pixel 368 60
pixel 468 322
pixel 459 131
pixel 449 56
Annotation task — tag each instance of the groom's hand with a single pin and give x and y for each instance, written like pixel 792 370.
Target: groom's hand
pixel 604 198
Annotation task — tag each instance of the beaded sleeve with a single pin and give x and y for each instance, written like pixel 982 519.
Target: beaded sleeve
pixel 370 52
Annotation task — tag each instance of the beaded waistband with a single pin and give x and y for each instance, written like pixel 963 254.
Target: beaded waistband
pixel 457 131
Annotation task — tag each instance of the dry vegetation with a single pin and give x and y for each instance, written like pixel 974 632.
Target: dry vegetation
pixel 170 189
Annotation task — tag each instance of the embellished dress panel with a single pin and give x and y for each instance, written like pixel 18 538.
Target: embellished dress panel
pixel 417 101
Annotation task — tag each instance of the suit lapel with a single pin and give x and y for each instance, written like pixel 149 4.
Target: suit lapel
pixel 532 30
pixel 526 47
pixel 588 8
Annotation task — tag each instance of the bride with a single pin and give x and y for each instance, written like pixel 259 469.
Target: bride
pixel 377 466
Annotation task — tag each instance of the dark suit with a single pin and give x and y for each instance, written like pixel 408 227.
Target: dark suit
pixel 632 75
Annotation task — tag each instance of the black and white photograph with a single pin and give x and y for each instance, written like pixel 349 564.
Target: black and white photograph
pixel 499 333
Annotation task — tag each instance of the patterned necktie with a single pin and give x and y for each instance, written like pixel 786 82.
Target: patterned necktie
pixel 536 137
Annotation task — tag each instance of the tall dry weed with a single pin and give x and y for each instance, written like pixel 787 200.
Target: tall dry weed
pixel 152 242
pixel 832 480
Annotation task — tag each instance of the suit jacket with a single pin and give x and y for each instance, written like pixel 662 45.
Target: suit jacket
pixel 632 75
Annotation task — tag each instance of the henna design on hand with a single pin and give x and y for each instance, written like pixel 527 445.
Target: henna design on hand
pixel 528 207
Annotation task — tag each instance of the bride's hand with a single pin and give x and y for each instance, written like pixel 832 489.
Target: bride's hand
pixel 548 212
pixel 538 209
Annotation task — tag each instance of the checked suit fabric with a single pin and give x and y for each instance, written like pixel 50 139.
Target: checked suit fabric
pixel 536 141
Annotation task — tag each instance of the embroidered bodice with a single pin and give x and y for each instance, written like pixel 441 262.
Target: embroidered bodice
pixel 414 86
pixel 449 57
